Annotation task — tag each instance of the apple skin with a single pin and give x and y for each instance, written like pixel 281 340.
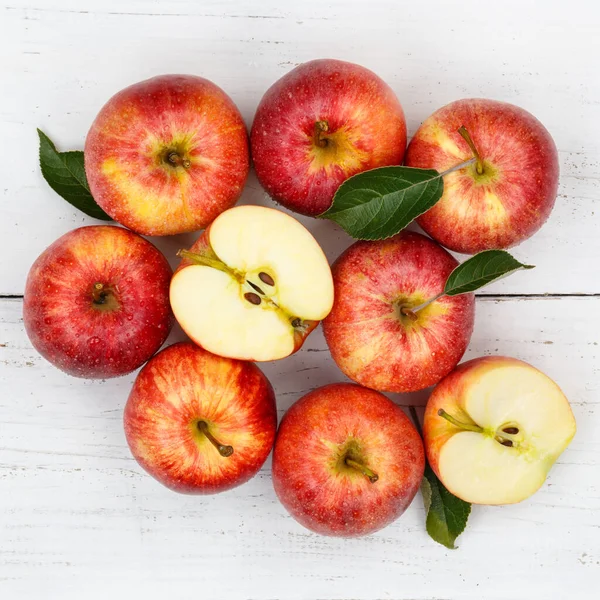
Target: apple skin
pixel 450 395
pixel 182 385
pixel 127 147
pixel 84 338
pixel 325 495
pixel 366 129
pixel 370 340
pixel 202 246
pixel 514 196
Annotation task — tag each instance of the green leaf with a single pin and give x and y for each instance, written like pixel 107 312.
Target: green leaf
pixel 65 173
pixel 481 269
pixel 447 515
pixel 377 204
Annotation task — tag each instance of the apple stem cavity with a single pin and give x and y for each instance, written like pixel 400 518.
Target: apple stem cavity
pixel 370 475
pixel 224 450
pixel 177 161
pixel 99 293
pixel 466 426
pixel 467 137
pixel 321 127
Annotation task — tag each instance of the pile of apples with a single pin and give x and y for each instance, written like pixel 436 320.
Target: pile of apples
pixel 171 155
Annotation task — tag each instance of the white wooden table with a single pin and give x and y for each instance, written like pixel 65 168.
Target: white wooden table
pixel 78 517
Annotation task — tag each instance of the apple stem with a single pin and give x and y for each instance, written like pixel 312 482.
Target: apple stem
pixel 205 261
pixel 457 423
pixel 321 127
pixel 370 475
pixel 177 161
pixel 99 293
pixel 467 137
pixel 224 450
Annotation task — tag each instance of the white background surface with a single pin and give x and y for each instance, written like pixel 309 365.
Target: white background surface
pixel 78 517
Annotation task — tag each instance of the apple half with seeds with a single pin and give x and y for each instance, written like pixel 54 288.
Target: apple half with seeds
pixel 253 286
pixel 494 427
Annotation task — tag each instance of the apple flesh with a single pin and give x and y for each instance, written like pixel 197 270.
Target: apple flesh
pixel 347 461
pixel 96 302
pixel 507 195
pixel 494 427
pixel 253 286
pixel 373 334
pixel 318 125
pixel 200 423
pixel 167 155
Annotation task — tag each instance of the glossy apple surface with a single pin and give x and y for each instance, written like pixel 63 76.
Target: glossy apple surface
pixel 97 302
pixel 167 155
pixel 253 286
pixel 321 123
pixel 347 461
pixel 508 424
pixel 515 192
pixel 185 391
pixel 371 333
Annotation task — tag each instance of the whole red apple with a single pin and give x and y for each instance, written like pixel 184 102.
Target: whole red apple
pixel 374 335
pixel 200 423
pixel 97 302
pixel 167 155
pixel 347 461
pixel 494 427
pixel 507 195
pixel 321 123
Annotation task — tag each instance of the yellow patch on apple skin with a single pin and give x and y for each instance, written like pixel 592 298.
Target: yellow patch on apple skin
pixel 435 134
pixel 341 152
pixel 140 204
pixel 489 206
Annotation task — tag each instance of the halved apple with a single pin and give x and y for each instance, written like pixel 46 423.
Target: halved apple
pixel 253 286
pixel 494 427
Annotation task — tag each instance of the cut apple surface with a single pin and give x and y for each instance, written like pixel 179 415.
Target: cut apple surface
pixel 493 429
pixel 253 286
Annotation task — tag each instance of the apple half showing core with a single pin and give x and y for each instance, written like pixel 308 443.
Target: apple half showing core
pixel 253 286
pixel 494 427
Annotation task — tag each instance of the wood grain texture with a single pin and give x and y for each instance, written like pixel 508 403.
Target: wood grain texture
pixel 64 59
pixel 78 517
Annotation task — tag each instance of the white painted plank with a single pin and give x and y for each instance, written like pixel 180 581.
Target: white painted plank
pixel 79 519
pixel 63 59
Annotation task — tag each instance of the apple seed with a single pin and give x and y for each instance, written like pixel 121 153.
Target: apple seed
pixel 252 298
pixel 266 278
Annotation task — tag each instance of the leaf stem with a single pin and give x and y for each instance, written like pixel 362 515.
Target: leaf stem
pixel 416 309
pixel 458 167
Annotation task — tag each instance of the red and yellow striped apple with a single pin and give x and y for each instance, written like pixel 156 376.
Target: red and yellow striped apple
pixel 97 302
pixel 253 286
pixel 321 123
pixel 504 197
pixel 167 155
pixel 494 427
pixel 347 461
pixel 373 334
pixel 200 423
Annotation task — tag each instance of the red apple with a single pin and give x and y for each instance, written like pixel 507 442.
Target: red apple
pixel 321 123
pixel 507 195
pixel 167 155
pixel 374 335
pixel 493 429
pixel 97 302
pixel 253 286
pixel 347 461
pixel 199 423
